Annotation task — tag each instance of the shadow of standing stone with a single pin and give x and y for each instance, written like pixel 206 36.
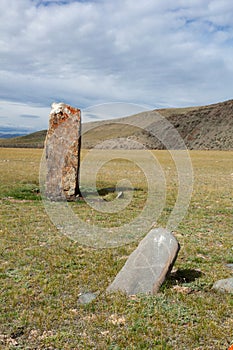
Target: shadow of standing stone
pixel 62 147
pixel 147 267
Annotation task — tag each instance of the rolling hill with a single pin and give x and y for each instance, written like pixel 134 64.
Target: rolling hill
pixel 204 127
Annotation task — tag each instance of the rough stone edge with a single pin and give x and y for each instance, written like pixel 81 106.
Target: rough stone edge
pixel 163 279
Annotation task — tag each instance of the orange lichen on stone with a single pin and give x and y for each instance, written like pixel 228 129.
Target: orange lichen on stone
pixel 60 113
pixel 72 109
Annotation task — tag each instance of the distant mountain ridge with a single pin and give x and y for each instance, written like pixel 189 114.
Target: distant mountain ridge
pixel 8 136
pixel 204 127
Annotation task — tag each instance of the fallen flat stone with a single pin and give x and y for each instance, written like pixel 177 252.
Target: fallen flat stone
pixel 225 285
pixel 62 148
pixel 148 265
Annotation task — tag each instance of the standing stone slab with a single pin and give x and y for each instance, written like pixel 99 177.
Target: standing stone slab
pixel 147 267
pixel 62 146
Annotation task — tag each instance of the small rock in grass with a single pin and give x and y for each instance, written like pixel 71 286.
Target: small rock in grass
pixel 225 285
pixel 85 298
pixel 230 266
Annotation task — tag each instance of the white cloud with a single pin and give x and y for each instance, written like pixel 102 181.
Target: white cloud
pixel 15 117
pixel 87 52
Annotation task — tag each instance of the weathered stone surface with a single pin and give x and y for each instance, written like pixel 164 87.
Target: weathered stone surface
pixel 225 285
pixel 147 267
pixel 62 145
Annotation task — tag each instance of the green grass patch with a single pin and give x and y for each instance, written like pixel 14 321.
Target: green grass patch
pixel 24 192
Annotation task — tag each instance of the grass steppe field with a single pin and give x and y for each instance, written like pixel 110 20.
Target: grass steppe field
pixel 43 272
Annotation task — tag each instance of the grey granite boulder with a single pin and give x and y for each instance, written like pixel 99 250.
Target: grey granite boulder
pixel 225 285
pixel 147 267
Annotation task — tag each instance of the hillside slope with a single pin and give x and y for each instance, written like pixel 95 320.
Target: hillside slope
pixel 208 127
pixel 205 127
pixel 34 140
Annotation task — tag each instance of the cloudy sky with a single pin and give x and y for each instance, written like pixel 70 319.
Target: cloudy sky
pixel 155 53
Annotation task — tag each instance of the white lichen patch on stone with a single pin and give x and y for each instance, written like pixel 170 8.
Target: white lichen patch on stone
pixel 57 107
